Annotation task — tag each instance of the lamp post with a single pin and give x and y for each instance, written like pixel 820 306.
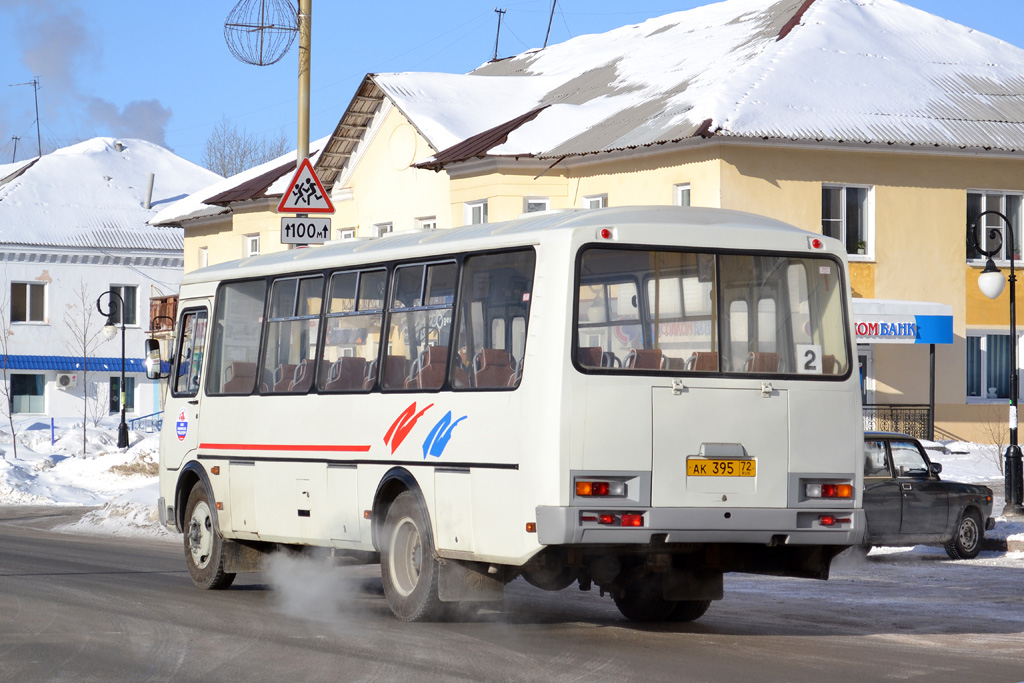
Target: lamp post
pixel 991 283
pixel 109 330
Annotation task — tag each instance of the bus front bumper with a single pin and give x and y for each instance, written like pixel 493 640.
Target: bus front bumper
pixel 810 526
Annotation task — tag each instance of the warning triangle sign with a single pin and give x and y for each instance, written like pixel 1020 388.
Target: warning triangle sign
pixel 305 194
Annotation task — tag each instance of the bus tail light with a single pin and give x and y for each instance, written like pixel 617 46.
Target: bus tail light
pixel 634 519
pixel 829 491
pixel 832 520
pixel 605 489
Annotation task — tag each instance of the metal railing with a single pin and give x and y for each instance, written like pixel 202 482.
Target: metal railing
pixel 915 420
pixel 147 423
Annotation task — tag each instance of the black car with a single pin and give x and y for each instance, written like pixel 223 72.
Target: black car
pixel 906 503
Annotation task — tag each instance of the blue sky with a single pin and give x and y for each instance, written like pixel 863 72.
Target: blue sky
pixel 162 71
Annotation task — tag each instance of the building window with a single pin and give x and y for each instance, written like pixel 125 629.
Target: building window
pixel 204 257
pixel 595 201
pixel 535 204
pixel 252 245
pixel 475 213
pixel 988 366
pixel 427 223
pixel 1006 203
pixel 346 233
pixel 846 216
pixel 115 394
pixel 27 393
pixel 28 302
pixel 129 295
pixel 682 194
pixel 381 229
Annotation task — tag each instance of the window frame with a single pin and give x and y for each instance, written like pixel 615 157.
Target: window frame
pixel 381 229
pixel 134 310
pixel 13 396
pixel 29 287
pixel 588 201
pixel 538 201
pixel 468 209
pixel 1000 258
pixel 869 219
pixel 115 396
pixel 677 194
pixel 346 233
pixel 982 335
pixel 426 223
pixel 251 241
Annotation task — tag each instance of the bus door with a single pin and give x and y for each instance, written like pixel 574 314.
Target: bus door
pixel 182 406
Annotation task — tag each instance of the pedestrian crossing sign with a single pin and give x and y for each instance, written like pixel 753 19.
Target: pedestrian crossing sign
pixel 305 194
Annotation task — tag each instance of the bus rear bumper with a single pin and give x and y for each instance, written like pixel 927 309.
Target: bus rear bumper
pixel 813 526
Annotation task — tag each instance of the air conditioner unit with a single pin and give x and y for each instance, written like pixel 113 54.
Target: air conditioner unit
pixel 67 380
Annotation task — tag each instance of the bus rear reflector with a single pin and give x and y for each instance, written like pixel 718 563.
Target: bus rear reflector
pixel 830 520
pixel 632 520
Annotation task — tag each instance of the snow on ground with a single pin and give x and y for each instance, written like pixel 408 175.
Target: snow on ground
pixel 52 468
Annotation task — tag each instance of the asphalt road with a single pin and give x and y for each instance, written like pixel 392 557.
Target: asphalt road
pixel 91 608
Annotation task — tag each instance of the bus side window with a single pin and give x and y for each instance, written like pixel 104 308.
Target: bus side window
pixel 355 308
pixel 495 306
pixel 190 353
pixel 236 338
pixel 421 318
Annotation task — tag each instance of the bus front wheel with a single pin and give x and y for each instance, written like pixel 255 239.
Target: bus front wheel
pixel 204 547
pixel 409 568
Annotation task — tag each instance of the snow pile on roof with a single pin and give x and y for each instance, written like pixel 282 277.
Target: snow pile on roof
pixel 91 196
pixel 873 71
pixel 265 180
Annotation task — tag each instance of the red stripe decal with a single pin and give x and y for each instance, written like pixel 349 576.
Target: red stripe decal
pixel 282 447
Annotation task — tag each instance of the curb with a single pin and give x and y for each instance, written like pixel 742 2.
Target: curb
pixel 1003 544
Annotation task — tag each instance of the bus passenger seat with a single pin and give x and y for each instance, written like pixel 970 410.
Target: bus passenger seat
pixel 829 366
pixel 762 361
pixel 303 376
pixel 493 368
pixel 370 377
pixel 589 356
pixel 703 361
pixel 433 362
pixel 284 375
pixel 346 374
pixel 239 378
pixel 643 359
pixel 395 372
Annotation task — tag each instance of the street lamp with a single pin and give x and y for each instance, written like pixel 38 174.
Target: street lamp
pixel 109 330
pixel 991 283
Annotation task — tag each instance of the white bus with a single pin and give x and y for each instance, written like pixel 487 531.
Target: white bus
pixel 638 398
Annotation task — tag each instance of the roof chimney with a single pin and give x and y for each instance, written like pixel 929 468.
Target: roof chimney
pixel 149 191
pixel 118 145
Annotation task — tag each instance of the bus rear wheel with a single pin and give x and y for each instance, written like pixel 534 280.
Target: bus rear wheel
pixel 408 566
pixel 641 600
pixel 204 547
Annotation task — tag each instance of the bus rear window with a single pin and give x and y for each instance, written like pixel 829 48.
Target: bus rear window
pixel 672 311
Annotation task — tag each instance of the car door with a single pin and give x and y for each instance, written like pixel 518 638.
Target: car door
pixel 882 496
pixel 925 502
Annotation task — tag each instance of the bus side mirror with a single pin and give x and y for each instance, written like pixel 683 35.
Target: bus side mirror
pixel 153 360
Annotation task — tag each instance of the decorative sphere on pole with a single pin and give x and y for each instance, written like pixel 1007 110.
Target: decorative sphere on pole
pixel 260 32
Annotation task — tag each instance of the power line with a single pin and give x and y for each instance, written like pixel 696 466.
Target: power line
pixel 550 19
pixel 35 87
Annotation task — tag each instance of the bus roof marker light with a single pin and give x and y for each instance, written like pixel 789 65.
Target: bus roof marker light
pixel 815 243
pixel 606 234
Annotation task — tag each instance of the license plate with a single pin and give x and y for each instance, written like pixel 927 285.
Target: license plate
pixel 704 467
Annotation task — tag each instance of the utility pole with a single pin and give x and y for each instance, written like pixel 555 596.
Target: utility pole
pixel 35 86
pixel 550 19
pixel 498 35
pixel 15 155
pixel 305 46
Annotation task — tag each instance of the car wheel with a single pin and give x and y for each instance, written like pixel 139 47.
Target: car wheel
pixel 409 568
pixel 966 541
pixel 204 547
pixel 642 601
pixel 689 610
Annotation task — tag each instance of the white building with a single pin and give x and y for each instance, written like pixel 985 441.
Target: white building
pixel 73 226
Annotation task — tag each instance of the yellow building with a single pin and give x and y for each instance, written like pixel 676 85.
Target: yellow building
pixel 875 123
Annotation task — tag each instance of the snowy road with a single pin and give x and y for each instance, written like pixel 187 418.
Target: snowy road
pixel 93 608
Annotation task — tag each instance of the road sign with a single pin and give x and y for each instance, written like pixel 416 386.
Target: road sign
pixel 305 194
pixel 304 230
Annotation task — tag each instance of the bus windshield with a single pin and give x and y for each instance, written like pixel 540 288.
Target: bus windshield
pixel 670 311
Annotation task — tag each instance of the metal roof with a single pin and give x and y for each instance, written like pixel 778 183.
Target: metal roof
pixel 71 363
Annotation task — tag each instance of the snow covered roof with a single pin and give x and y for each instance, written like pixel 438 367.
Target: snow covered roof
pixel 268 179
pixel 866 71
pixel 91 196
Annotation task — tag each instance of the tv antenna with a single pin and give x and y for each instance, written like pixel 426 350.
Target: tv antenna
pixel 260 32
pixel 35 86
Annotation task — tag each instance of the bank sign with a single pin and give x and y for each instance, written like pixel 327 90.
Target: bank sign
pixel 916 329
